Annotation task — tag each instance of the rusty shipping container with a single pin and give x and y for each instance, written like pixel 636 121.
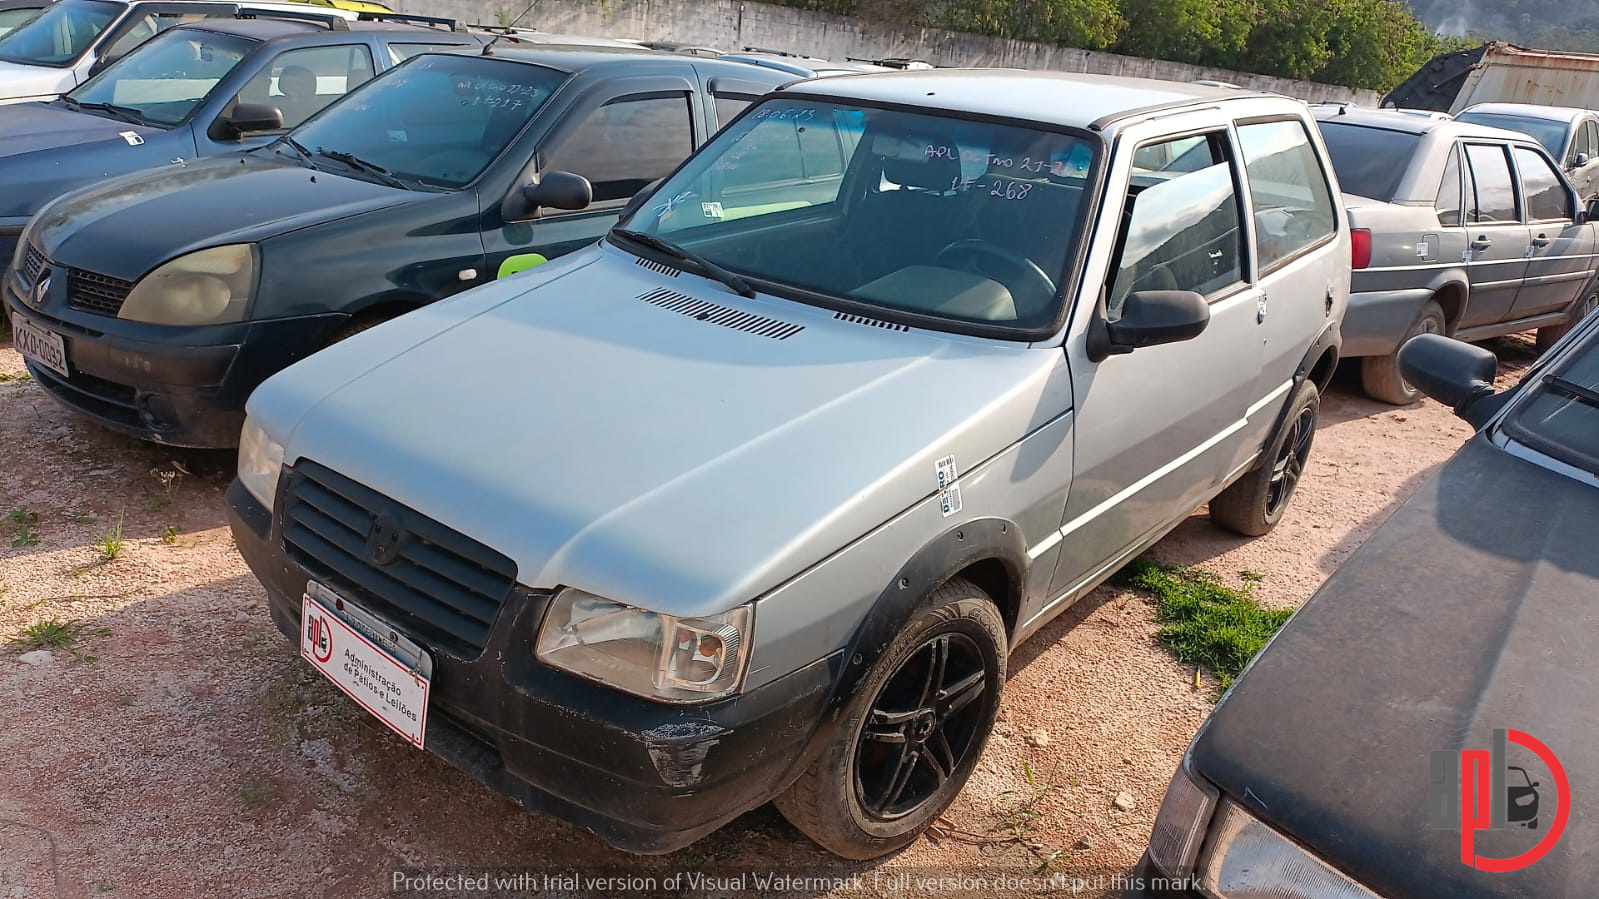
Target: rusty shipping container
pixel 1501 73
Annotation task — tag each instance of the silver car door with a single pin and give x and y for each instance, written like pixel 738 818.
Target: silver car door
pixel 1497 239
pixel 1560 259
pixel 1157 428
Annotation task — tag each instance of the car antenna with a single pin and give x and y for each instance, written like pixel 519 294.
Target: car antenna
pixel 488 49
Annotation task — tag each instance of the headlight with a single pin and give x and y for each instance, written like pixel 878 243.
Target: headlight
pixel 649 654
pixel 1249 860
pixel 208 287
pixel 260 461
pixel 1180 825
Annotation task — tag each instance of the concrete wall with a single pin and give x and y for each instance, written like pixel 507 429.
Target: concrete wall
pixel 734 25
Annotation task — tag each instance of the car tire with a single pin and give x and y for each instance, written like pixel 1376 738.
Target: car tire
pixel 912 733
pixel 356 325
pixel 1255 502
pixel 1379 375
pixel 1548 337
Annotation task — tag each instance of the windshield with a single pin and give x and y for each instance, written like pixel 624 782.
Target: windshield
pixel 11 18
pixel 436 119
pixel 1562 416
pixel 1551 133
pixel 60 34
pixel 1369 161
pixel 166 79
pixel 953 222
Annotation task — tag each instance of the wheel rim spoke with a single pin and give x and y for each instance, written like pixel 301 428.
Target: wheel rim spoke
pixel 960 694
pixel 902 777
pixel 940 758
pixel 887 727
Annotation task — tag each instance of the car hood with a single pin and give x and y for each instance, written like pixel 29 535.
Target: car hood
pixel 125 226
pixel 46 149
pixel 595 422
pixel 18 80
pixel 1472 609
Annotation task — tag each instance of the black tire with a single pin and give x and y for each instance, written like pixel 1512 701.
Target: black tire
pixel 930 703
pixel 1379 375
pixel 356 325
pixel 1255 502
pixel 1548 337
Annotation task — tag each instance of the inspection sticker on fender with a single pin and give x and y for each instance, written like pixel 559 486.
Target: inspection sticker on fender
pixel 392 690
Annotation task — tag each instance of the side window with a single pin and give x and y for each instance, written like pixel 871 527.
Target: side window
pixel 300 82
pixel 1541 187
pixel 626 144
pixel 146 27
pixel 728 106
pixel 399 53
pixel 1590 138
pixel 1448 204
pixel 1159 157
pixel 1494 194
pixel 1293 206
pixel 1180 230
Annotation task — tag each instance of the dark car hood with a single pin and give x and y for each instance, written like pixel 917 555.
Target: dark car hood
pixel 46 149
pixel 1473 608
pixel 125 226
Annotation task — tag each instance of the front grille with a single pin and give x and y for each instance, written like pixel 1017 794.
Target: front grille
pixel 32 265
pixel 96 293
pixel 442 587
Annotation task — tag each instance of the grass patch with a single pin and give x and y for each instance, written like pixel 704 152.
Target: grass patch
pixel 52 633
pixel 19 377
pixel 110 544
pixel 1203 621
pixel 169 535
pixel 22 522
pixel 255 794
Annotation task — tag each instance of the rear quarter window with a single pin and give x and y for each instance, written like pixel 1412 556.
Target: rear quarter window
pixel 1369 161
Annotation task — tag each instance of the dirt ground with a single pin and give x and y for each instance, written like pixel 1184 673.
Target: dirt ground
pixel 180 747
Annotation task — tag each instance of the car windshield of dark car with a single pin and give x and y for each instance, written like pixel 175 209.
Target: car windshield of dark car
pixel 965 221
pixel 163 81
pixel 1561 417
pixel 1549 132
pixel 1369 161
pixel 437 119
pixel 59 34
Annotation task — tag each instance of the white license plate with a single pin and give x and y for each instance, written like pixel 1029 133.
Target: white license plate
pixel 386 673
pixel 44 347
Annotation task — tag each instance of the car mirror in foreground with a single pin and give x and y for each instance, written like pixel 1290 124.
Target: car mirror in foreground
pixel 1591 213
pixel 249 118
pixel 1457 374
pixel 1152 317
pixel 558 190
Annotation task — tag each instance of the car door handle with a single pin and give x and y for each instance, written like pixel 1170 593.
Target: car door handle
pixel 1541 240
pixel 1481 243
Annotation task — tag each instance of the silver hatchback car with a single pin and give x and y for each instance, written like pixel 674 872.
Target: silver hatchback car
pixel 1458 229
pixel 751 500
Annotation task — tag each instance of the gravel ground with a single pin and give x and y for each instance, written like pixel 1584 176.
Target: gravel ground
pixel 181 748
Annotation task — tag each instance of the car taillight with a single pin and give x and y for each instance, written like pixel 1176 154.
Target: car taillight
pixel 1360 247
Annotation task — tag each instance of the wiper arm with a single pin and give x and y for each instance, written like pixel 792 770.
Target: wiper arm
pixel 1587 396
pixel 359 164
pixel 710 269
pixel 125 113
pixel 297 147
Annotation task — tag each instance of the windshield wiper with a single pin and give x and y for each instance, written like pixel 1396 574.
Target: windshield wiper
pixel 706 266
pixel 125 113
pixel 361 165
pixel 1584 395
pixel 298 147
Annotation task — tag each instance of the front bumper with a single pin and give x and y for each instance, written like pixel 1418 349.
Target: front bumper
pixel 1378 320
pixel 168 391
pixel 646 777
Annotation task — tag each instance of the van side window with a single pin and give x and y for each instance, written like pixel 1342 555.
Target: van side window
pixel 1448 203
pixel 1493 196
pixel 1181 229
pixel 728 106
pixel 1541 187
pixel 1293 205
pixel 626 144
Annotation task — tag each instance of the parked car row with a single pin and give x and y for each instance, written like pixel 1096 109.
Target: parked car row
pixel 760 418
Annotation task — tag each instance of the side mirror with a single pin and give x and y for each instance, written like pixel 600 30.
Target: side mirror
pixel 1152 317
pixel 558 190
pixel 1579 161
pixel 1457 374
pixel 248 118
pixel 1591 213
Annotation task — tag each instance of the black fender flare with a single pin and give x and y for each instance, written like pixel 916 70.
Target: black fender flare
pixel 940 559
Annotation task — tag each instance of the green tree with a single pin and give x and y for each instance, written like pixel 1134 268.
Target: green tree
pixel 1088 24
pixel 1202 32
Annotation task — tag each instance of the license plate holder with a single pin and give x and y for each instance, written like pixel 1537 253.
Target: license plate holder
pixel 40 345
pixel 385 672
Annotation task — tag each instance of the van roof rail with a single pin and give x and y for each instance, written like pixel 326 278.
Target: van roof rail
pixel 334 22
pixel 407 18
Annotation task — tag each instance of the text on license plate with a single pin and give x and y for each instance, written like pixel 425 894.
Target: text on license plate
pixel 396 693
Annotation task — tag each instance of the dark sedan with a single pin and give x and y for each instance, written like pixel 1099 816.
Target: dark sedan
pixel 1424 726
pixel 190 92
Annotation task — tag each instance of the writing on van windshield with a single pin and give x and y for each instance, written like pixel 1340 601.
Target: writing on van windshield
pixel 495 94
